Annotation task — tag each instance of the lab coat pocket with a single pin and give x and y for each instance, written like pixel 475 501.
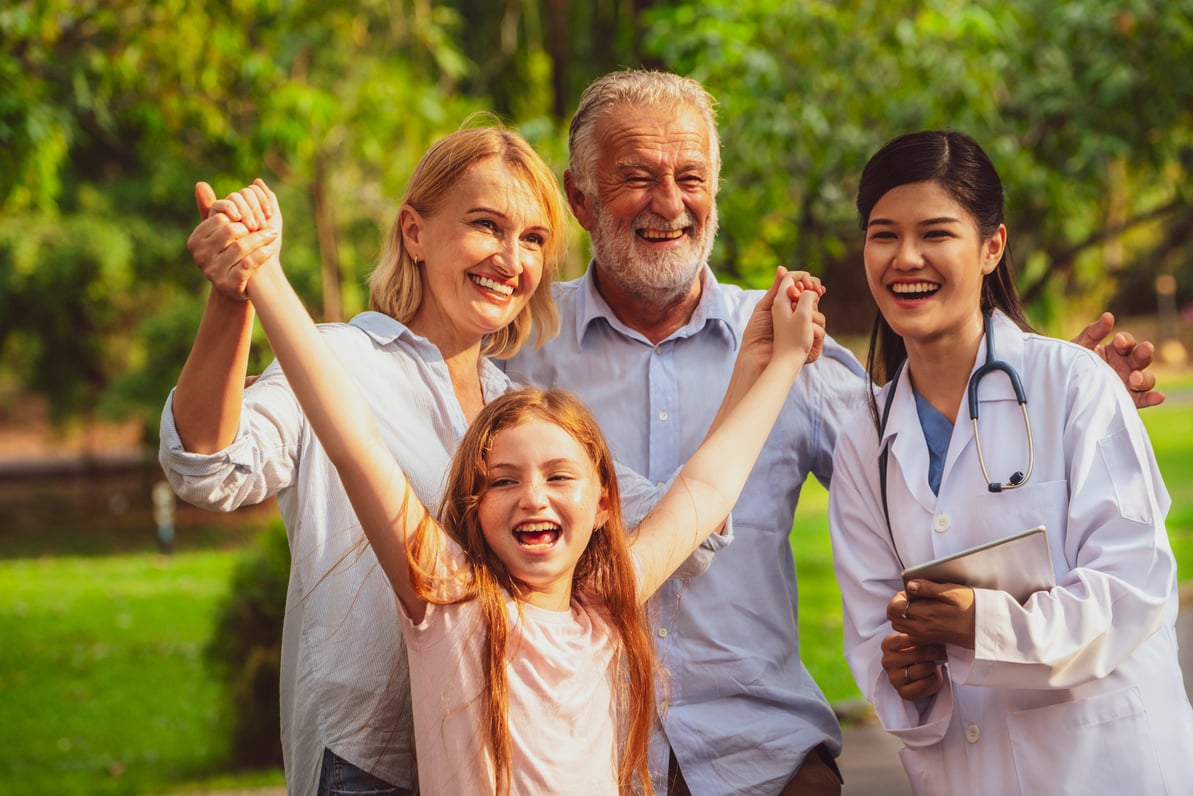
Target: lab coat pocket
pixel 1101 744
pixel 1120 457
pixel 925 768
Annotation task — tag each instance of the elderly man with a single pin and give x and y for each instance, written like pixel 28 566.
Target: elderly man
pixel 648 342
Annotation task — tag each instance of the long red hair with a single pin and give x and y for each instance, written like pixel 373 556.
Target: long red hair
pixel 604 578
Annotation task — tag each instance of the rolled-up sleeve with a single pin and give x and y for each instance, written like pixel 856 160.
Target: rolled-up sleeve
pixel 261 460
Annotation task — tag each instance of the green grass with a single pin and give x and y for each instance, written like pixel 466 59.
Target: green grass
pixel 1170 426
pixel 103 689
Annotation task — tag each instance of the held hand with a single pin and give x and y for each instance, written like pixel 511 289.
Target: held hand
pixel 758 338
pixel 935 613
pixel 798 325
pixel 1129 359
pixel 915 671
pixel 237 236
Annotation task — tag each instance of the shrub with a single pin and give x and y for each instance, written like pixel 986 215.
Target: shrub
pixel 245 650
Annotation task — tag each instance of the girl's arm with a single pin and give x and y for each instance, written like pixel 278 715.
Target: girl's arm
pixel 234 236
pixel 343 421
pixel 709 484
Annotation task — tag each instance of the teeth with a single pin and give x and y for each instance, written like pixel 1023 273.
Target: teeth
pixel 537 527
pixel 911 288
pixel 489 284
pixel 661 234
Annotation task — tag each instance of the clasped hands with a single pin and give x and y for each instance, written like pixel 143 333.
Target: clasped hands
pixel 926 617
pixel 236 236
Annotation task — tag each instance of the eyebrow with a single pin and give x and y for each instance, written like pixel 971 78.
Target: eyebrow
pixel 483 209
pixel 927 222
pixel 563 460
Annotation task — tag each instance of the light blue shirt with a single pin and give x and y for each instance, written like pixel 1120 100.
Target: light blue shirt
pixel 938 430
pixel 739 708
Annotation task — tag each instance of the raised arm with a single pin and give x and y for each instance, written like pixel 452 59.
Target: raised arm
pixel 234 236
pixel 342 419
pixel 712 479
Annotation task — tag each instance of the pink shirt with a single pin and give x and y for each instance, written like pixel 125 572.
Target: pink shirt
pixel 561 700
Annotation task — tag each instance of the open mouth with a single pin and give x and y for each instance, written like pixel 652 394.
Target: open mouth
pixel 537 535
pixel 661 235
pixel 491 285
pixel 914 291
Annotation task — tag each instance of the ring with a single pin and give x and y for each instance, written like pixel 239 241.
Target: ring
pixel 907 673
pixel 906 608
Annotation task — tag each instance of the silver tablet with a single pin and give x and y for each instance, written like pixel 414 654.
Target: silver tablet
pixel 1019 565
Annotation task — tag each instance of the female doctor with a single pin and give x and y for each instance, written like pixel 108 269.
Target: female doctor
pixel 1078 689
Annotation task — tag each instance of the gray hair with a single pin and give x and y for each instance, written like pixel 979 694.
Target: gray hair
pixel 634 88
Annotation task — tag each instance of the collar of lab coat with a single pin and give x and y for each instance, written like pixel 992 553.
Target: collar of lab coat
pixel 909 448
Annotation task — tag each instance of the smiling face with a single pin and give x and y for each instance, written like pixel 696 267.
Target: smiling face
pixel 481 254
pixel 540 505
pixel 653 217
pixel 925 261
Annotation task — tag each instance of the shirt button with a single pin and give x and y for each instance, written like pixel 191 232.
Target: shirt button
pixel 660 484
pixel 940 523
pixel 662 632
pixel 663 415
pixel 663 706
pixel 658 349
pixel 972 733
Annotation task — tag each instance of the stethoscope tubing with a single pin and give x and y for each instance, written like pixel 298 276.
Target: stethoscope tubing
pixel 991 365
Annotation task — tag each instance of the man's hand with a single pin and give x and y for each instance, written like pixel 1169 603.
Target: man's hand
pixel 1129 359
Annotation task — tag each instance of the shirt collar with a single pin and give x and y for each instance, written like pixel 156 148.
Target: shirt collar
pixel 380 326
pixel 712 311
pixel 1008 348
pixel 386 331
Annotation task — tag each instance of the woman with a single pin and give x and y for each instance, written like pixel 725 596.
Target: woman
pixel 1077 689
pixel 465 274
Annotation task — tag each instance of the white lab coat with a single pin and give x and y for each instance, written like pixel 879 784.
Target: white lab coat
pixel 1079 690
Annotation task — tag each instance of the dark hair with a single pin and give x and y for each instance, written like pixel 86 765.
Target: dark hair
pixel 955 162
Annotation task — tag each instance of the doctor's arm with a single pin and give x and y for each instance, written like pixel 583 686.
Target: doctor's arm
pixel 1121 587
pixel 902 678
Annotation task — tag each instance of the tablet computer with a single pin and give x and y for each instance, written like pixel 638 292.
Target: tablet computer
pixel 1019 565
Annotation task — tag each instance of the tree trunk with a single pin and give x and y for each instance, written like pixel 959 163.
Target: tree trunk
pixel 325 231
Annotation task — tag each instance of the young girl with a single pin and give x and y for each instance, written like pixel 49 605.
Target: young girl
pixel 531 668
pixel 1078 689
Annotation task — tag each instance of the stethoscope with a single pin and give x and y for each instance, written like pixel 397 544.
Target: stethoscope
pixel 1017 479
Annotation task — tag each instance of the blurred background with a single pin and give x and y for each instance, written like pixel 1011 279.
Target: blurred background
pixel 137 640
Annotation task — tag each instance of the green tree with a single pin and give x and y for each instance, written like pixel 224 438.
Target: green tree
pixel 112 109
pixel 1071 100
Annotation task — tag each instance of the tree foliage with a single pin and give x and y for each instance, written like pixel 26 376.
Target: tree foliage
pixel 1084 106
pixel 110 110
pixel 117 107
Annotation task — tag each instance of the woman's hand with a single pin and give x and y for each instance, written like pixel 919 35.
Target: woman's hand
pixel 934 613
pixel 237 235
pixel 914 670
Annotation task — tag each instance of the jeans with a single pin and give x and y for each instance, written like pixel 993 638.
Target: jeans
pixel 338 776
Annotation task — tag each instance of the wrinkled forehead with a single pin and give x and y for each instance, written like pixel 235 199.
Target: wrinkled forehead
pixel 626 131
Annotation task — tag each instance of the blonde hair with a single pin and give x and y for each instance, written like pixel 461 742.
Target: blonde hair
pixel 624 92
pixel 395 286
pixel 604 578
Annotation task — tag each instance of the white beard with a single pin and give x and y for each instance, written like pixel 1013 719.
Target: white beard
pixel 659 277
